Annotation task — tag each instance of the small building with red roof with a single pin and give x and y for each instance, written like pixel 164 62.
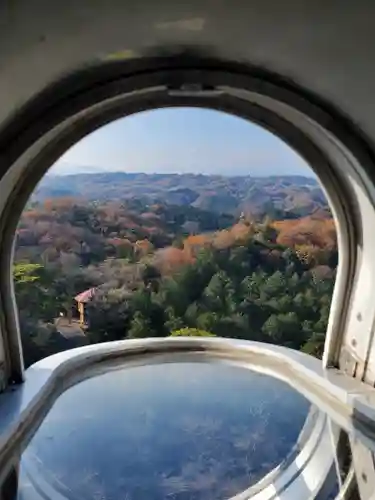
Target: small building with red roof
pixel 82 299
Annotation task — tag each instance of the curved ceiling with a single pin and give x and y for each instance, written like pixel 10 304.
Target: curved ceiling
pixel 324 47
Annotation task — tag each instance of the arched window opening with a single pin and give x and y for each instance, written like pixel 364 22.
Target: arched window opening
pixel 172 223
pixel 176 222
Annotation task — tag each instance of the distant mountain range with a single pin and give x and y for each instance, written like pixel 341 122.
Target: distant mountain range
pixel 283 195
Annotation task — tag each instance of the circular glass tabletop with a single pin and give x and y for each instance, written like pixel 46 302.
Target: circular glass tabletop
pixel 177 430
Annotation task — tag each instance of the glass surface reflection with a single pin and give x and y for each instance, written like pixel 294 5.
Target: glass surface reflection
pixel 171 430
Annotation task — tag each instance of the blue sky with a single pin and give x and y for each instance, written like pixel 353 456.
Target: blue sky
pixel 182 140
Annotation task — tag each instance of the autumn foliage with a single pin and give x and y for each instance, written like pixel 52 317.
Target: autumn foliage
pixel 56 228
pixel 310 231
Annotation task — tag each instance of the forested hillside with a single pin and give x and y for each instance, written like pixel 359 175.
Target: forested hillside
pixel 90 232
pixel 277 196
pixel 157 268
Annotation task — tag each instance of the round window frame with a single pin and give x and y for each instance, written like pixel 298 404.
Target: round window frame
pixel 88 99
pixel 69 109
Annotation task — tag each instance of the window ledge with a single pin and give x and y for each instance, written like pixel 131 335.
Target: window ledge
pixel 344 400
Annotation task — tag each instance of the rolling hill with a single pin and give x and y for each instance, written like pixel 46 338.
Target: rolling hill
pixel 277 196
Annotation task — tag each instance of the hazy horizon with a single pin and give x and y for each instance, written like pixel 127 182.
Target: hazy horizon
pixel 182 141
pixel 67 171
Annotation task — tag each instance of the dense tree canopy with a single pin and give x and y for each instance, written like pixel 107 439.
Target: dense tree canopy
pixel 270 281
pixel 191 332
